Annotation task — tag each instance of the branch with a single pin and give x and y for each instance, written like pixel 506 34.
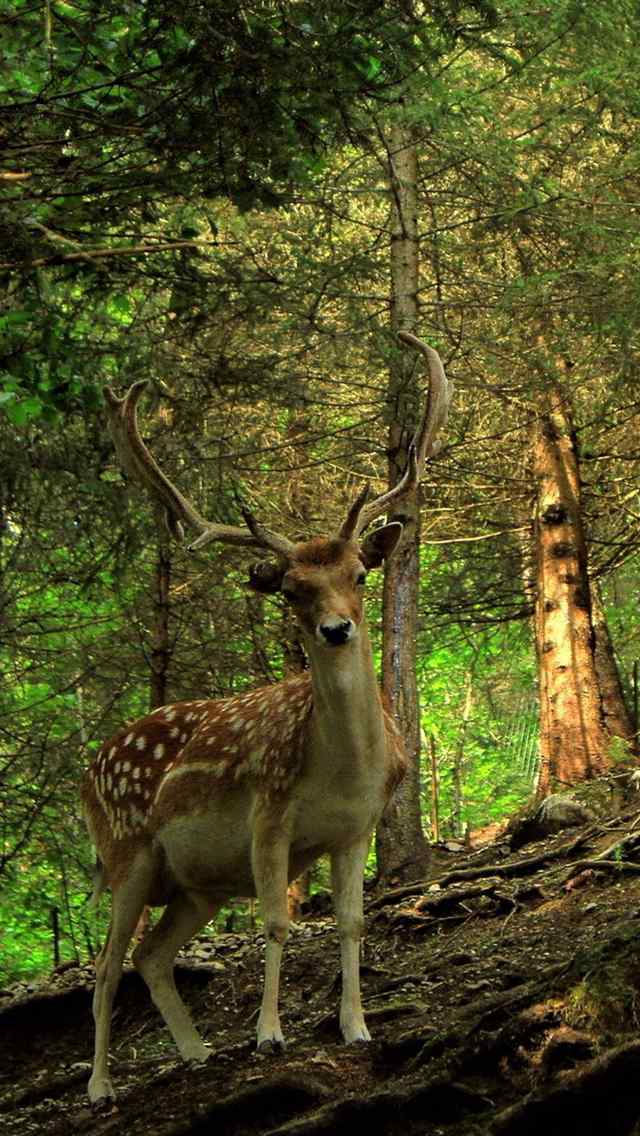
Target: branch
pixel 101 253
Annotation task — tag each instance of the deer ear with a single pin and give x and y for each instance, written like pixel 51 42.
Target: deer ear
pixel 266 577
pixel 380 544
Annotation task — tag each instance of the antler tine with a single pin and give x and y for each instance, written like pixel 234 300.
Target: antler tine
pixel 140 464
pixel 267 538
pixel 423 444
pixel 350 526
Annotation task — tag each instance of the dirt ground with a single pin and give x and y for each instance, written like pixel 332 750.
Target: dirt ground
pixel 502 994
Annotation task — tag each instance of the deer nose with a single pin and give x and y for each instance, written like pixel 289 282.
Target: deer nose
pixel 336 633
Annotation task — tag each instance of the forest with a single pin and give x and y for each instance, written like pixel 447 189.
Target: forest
pixel 244 204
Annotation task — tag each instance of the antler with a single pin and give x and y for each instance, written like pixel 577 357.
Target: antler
pixel 140 464
pixel 422 447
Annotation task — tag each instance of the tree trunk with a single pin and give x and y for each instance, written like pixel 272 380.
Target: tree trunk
pixel 298 892
pixel 160 642
pixel 402 851
pixel 458 758
pixel 435 791
pixel 617 719
pixel 573 743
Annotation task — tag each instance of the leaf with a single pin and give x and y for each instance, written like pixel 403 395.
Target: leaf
pixel 20 413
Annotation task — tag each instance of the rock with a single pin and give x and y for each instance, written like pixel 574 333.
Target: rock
pixel 556 812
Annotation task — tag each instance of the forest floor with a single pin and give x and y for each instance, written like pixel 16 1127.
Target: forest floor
pixel 503 995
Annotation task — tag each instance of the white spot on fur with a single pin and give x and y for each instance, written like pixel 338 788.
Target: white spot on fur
pixel 128 740
pixel 158 752
pixel 141 742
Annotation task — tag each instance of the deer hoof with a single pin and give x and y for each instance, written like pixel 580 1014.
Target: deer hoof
pixel 271 1047
pixel 101 1093
pixel 198 1055
pixel 357 1036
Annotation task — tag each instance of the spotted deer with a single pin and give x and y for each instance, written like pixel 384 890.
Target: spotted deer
pixel 203 800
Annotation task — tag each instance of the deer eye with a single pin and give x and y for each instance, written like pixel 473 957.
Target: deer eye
pixel 361 579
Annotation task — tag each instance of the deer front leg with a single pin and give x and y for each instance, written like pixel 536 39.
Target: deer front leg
pixel 270 855
pixel 347 874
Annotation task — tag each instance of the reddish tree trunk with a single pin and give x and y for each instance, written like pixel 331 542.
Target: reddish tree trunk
pixel 618 721
pixel 573 740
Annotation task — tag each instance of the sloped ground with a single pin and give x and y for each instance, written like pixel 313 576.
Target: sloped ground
pixel 503 997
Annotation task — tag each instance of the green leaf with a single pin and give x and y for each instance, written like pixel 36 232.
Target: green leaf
pixel 20 413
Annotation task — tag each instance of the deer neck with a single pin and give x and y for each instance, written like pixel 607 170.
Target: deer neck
pixel 347 713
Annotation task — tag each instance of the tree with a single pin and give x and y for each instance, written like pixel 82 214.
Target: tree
pixel 400 844
pixel 572 733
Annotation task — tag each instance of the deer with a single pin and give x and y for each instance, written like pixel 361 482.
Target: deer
pixel 204 800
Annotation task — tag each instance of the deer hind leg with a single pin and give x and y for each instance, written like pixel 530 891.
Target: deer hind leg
pixel 154 958
pixel 128 901
pixel 270 856
pixel 347 873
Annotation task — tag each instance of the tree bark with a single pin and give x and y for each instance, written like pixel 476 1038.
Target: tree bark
pixel 618 721
pixel 573 741
pixel 160 641
pixel 458 758
pixel 402 852
pixel 435 791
